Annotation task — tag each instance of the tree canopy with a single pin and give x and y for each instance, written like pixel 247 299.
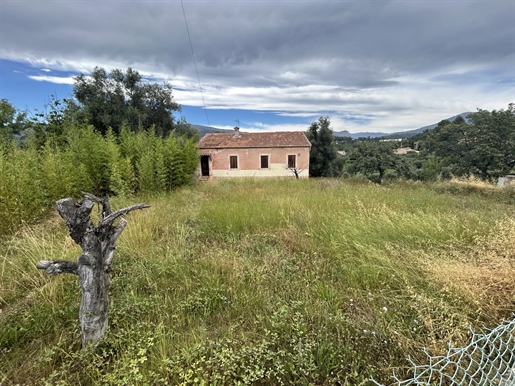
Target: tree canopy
pixel 373 157
pixel 481 145
pixel 12 121
pixel 485 147
pixel 323 156
pixel 112 100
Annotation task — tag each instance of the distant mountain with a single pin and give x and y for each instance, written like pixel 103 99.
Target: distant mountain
pixel 203 130
pixel 345 133
pixel 401 134
pixel 411 133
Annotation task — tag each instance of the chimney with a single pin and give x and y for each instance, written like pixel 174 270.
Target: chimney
pixel 236 132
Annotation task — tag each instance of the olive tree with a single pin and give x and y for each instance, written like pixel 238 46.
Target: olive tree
pixel 94 264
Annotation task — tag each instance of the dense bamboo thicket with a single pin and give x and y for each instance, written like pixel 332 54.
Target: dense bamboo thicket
pixel 83 160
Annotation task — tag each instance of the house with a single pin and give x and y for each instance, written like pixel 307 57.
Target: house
pixel 273 154
pixel 405 150
pixel 506 180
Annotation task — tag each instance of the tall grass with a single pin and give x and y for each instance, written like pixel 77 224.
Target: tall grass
pixel 83 160
pixel 265 282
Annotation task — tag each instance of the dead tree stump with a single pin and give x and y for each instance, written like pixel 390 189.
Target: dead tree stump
pixel 94 264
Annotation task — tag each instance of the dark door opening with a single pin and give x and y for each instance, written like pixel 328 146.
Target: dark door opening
pixel 204 165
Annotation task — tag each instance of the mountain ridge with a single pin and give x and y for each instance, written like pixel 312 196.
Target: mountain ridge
pixel 203 130
pixel 403 134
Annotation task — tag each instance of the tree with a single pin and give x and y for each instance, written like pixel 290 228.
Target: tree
pixel 452 144
pixel 323 150
pixel 493 141
pixel 431 168
pixel 12 121
pixel 296 171
pixel 485 147
pixel 119 98
pixel 184 128
pixel 373 157
pixel 458 120
pixel 94 264
pixel 53 123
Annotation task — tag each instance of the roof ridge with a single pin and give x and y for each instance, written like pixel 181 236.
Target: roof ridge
pixel 255 139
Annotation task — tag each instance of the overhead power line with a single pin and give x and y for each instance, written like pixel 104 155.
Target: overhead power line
pixel 195 62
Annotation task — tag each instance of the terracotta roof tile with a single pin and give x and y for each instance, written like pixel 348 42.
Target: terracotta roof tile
pixel 254 140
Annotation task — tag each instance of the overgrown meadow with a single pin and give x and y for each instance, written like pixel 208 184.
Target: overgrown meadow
pixel 266 281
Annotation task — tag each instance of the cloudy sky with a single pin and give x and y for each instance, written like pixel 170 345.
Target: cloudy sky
pixel 378 65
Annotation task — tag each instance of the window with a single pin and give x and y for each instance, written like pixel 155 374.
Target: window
pixel 233 162
pixel 292 161
pixel 265 164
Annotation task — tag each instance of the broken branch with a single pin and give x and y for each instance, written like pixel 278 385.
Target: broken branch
pixel 113 216
pixel 55 267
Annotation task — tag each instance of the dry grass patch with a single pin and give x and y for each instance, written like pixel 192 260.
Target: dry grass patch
pixel 473 181
pixel 483 273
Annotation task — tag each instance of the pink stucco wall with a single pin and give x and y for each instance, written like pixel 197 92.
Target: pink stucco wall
pixel 249 162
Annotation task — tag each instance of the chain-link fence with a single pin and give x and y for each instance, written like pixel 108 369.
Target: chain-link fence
pixel 489 359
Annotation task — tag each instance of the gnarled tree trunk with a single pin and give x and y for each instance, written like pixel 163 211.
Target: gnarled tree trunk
pixel 94 264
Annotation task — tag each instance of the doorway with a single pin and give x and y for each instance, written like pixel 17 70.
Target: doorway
pixel 204 165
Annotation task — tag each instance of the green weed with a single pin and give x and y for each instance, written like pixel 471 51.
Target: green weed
pixel 261 282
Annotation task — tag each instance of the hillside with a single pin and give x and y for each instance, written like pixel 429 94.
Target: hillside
pixel 365 134
pixel 411 133
pixel 401 134
pixel 203 130
pixel 404 134
pixel 266 282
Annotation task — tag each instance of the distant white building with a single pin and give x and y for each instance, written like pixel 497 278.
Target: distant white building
pixel 405 150
pixel 391 140
pixel 506 180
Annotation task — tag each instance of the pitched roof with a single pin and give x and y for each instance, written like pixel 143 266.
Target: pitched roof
pixel 255 140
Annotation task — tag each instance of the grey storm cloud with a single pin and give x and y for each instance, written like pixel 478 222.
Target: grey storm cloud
pixel 405 36
pixel 355 46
